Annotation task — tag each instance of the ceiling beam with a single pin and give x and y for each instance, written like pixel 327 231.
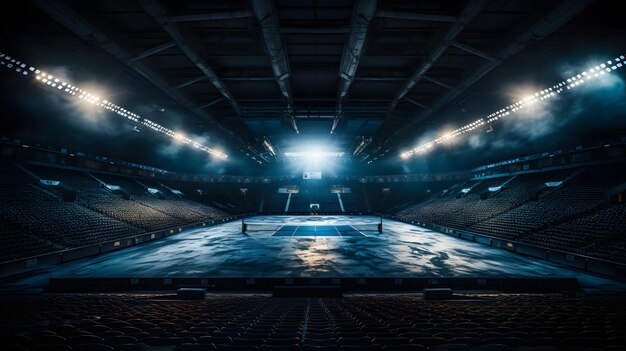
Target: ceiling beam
pixel 248 79
pixel 70 19
pixel 437 82
pixel 470 11
pixel 532 34
pixel 190 82
pixel 157 12
pixel 362 15
pixel 214 16
pixel 473 51
pixel 380 79
pixel 265 13
pixel 322 30
pixel 154 50
pixel 417 103
pixel 210 103
pixel 415 16
pixel 315 100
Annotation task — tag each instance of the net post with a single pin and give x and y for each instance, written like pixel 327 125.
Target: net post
pixel 243 226
pixel 380 225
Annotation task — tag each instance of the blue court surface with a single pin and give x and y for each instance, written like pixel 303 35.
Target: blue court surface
pixel 317 230
pixel 300 246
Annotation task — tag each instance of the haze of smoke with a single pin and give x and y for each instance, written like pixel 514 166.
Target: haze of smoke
pixel 550 119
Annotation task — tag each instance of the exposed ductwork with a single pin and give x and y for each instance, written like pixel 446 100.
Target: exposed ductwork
pixel 157 12
pixel 362 15
pixel 469 12
pixel 265 13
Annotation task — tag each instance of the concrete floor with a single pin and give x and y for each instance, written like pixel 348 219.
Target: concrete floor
pixel 402 250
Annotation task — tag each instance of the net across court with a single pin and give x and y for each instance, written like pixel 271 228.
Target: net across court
pixel 300 230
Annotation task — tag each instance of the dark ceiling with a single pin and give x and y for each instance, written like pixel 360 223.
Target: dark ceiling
pixel 290 71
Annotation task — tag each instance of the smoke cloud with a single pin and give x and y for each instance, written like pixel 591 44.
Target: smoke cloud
pixel 601 104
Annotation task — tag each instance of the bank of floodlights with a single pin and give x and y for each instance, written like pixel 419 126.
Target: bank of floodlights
pixel 65 87
pixel 545 94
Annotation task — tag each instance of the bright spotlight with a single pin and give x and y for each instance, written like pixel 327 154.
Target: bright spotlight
pixel 314 156
pixel 219 154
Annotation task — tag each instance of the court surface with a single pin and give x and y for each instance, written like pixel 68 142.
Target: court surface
pixel 315 230
pixel 402 250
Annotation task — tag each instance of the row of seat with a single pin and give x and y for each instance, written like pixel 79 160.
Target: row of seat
pixel 37 220
pixel 576 216
pixel 523 322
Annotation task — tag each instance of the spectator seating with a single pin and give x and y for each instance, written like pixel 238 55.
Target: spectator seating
pixel 575 216
pixel 147 322
pixel 37 221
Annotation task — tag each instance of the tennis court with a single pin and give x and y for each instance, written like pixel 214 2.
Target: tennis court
pixel 401 250
pixel 312 227
pixel 318 230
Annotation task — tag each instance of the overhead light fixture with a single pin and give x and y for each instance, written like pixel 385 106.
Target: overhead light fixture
pixel 268 146
pixel 545 94
pixel 362 145
pixel 63 86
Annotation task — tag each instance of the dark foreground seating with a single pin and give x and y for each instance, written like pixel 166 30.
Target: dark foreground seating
pixel 145 322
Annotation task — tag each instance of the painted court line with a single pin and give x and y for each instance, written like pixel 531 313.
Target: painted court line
pixel 315 230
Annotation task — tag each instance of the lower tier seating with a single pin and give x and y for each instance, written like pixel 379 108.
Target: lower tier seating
pixel 36 220
pixel 574 214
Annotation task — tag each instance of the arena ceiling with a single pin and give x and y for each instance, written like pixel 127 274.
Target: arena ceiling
pixel 347 73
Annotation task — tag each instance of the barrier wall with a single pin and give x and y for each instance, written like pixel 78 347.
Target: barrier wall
pixel 342 284
pixel 28 264
pixel 572 260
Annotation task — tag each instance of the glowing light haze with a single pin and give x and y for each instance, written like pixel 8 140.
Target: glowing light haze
pixel 548 93
pixel 65 87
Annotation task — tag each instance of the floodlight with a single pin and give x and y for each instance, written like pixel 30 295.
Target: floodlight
pixel 92 98
pixel 528 100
